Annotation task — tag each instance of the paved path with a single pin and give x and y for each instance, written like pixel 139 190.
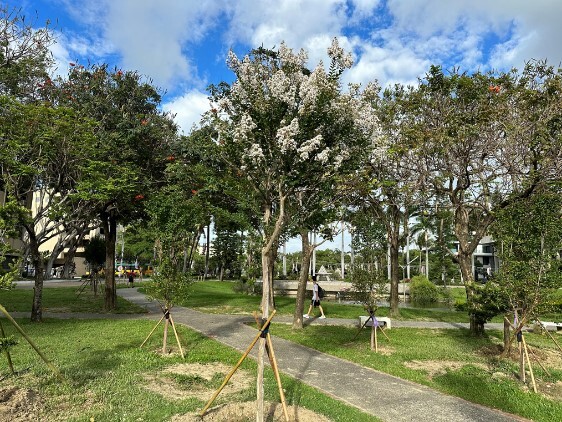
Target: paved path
pixel 384 396
pixel 387 397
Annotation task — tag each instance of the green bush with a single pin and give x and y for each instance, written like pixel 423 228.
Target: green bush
pixel 423 291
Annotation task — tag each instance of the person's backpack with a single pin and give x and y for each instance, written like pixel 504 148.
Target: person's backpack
pixel 321 292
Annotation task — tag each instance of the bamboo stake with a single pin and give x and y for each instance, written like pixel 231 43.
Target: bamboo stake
pixel 177 337
pixel 277 377
pixel 539 361
pixel 7 351
pixel 382 331
pixel 376 342
pixel 154 329
pixel 165 341
pixel 15 324
pixel 529 363
pixel 246 353
pixel 550 335
pixel 521 363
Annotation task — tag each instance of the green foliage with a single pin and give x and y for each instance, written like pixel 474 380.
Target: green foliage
pixel 94 253
pixel 529 237
pixel 7 342
pixel 423 291
pixel 169 284
pixel 369 287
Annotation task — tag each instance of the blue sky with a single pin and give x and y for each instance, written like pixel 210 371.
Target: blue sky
pixel 182 44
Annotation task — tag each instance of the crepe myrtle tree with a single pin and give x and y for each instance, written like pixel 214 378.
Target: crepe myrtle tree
pixel 284 129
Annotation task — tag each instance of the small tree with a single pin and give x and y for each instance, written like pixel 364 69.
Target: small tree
pixel 94 254
pixel 528 234
pixel 168 285
pixel 370 287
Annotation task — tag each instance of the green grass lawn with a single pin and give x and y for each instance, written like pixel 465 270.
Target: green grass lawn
pixel 63 299
pixel 107 375
pixel 220 297
pixel 88 352
pixel 451 361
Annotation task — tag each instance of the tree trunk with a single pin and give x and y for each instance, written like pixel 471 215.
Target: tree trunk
pixel 506 337
pixel 207 251
pixel 393 236
pixel 37 306
pixel 165 340
pixel 110 232
pixel 303 278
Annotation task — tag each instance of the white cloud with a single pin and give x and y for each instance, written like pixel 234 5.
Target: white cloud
pixel 387 66
pixel 188 109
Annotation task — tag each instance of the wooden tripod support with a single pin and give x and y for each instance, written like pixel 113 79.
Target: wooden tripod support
pixel 523 353
pixel 168 316
pixel 263 332
pixel 376 326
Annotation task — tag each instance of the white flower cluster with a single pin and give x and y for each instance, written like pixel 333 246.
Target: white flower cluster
pixel 255 153
pixel 289 58
pixel 309 147
pixel 286 136
pixel 324 155
pixel 336 53
pixel 310 88
pixel 245 127
pixel 282 88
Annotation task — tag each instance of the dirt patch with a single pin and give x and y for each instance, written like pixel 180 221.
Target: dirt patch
pixel 551 390
pixel 246 412
pixel 439 367
pixel 549 358
pixel 184 380
pixel 19 405
pixel 197 380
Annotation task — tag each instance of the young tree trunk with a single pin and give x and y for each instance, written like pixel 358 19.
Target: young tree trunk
pixel 506 337
pixel 110 233
pixel 37 306
pixel 393 236
pixel 303 278
pixel 165 340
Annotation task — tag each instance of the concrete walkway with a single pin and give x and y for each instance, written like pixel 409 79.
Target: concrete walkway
pixel 384 396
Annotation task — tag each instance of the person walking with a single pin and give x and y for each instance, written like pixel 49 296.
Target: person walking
pixel 315 302
pixel 131 279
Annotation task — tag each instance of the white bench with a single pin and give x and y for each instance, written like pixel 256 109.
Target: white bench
pixel 384 322
pixel 548 326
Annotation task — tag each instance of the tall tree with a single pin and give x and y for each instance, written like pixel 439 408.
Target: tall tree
pixel 129 154
pixel 279 129
pixel 41 163
pixel 486 141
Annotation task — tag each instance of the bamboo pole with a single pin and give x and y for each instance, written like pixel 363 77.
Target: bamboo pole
pixel 177 337
pixel 154 329
pixel 539 361
pixel 550 335
pixel 277 376
pixel 15 324
pixel 7 351
pixel 246 353
pixel 529 363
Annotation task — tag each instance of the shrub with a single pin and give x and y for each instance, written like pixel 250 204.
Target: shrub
pixel 423 291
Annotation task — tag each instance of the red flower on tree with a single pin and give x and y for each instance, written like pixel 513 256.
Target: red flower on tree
pixel 171 158
pixel 139 197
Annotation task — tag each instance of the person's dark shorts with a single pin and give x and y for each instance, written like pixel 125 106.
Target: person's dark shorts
pixel 315 303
